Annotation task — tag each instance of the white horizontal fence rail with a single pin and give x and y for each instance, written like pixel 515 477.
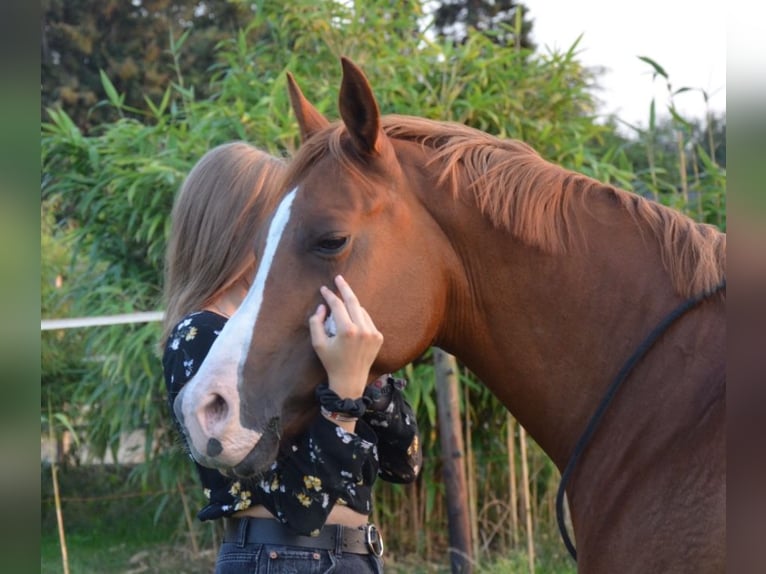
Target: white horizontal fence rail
pixel 77 322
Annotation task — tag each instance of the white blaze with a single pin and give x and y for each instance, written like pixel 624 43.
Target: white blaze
pixel 243 321
pixel 222 370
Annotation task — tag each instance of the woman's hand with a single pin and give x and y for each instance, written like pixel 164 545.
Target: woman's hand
pixel 347 356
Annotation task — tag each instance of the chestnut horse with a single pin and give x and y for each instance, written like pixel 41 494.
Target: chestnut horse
pixel 542 281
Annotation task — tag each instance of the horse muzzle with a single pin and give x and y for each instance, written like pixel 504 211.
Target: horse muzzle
pixel 215 436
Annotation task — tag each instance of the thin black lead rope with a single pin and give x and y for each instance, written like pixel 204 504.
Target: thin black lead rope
pixel 639 353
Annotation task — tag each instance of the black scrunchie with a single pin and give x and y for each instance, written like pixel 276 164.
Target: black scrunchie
pixel 330 400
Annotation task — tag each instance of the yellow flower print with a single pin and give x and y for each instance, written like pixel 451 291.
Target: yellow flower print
pixel 191 334
pixel 341 502
pixel 303 499
pixel 244 500
pixel 235 488
pixel 312 482
pixel 314 532
pixel 206 492
pixel 275 483
pixel 413 448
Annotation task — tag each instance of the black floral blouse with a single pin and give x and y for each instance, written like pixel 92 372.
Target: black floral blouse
pixel 323 467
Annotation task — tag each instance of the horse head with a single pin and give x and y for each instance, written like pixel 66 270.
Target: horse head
pixel 348 208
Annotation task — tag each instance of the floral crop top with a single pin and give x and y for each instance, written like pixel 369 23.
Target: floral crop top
pixel 323 467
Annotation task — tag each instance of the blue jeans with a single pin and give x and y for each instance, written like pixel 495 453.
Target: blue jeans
pixel 240 557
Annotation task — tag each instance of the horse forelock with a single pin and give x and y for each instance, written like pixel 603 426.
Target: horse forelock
pixel 534 200
pixel 334 142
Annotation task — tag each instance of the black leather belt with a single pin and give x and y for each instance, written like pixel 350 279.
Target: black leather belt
pixel 363 540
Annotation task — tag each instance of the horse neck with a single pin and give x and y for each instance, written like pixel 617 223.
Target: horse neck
pixel 546 333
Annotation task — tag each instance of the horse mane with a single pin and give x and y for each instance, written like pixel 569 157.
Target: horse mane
pixel 531 198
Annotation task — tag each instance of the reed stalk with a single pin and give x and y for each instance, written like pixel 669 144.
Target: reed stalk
pixel 188 518
pixel 512 483
pixel 57 493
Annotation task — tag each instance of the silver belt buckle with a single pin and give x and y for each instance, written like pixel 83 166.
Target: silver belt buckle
pixel 373 539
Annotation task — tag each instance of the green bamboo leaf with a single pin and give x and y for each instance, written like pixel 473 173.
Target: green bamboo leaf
pixel 706 160
pixel 154 109
pixel 66 127
pixel 67 424
pixel 176 45
pixel 572 51
pixel 114 98
pixel 93 157
pixel 676 116
pixel 165 100
pixel 151 232
pixel 658 70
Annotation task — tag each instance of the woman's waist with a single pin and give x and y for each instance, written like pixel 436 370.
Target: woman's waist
pixel 342 515
pixel 269 531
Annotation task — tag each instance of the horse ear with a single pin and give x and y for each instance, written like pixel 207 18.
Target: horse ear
pixel 358 108
pixel 310 120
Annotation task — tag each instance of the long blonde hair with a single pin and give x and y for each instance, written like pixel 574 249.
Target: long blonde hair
pixel 224 199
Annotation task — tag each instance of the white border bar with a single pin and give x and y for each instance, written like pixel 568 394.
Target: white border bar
pixel 74 323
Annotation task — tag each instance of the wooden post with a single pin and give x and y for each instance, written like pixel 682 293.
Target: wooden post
pixel 470 472
pixel 453 454
pixel 526 499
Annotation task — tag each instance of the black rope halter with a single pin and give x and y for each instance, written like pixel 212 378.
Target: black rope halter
pixel 595 420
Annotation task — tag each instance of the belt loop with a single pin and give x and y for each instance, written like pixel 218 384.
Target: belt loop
pixel 242 532
pixel 338 539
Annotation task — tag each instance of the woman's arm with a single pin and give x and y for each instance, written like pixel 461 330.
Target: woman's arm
pixel 347 354
pixel 325 466
pixel 391 417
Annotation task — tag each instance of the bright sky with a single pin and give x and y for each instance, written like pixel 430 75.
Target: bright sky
pixel 687 38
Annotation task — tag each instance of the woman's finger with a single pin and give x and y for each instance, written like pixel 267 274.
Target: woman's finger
pixel 368 323
pixel 350 300
pixel 337 307
pixel 316 326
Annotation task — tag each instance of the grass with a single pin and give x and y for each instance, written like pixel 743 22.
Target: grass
pixel 110 526
pixel 97 553
pixel 514 564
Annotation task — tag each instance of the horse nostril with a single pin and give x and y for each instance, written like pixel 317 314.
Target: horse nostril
pixel 217 408
pixel 214 447
pixel 215 412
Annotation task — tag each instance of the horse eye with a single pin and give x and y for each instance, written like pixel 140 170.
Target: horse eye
pixel 331 245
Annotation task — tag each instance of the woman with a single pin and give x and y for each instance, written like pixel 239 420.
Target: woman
pixel 310 511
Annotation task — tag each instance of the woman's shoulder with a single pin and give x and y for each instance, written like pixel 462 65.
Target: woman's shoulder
pixel 196 326
pixel 188 344
pixel 203 318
